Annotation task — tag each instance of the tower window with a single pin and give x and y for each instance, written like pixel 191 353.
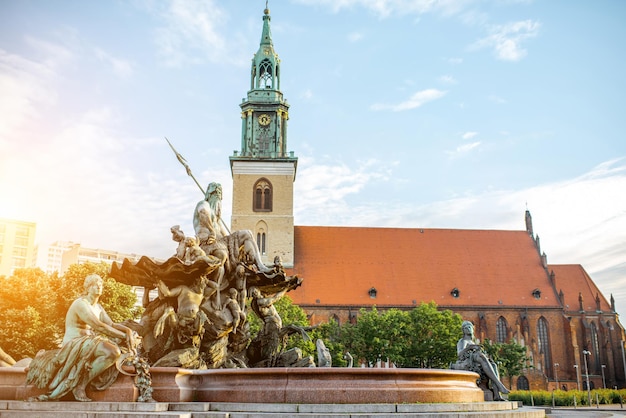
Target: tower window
pixel 260 242
pixel 263 196
pixel 266 74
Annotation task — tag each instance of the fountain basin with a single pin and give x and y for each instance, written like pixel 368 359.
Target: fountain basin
pixel 281 385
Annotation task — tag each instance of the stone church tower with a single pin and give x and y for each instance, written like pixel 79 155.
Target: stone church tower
pixel 263 171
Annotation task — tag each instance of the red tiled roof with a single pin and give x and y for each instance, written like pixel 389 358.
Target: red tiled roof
pixel 407 266
pixel 573 279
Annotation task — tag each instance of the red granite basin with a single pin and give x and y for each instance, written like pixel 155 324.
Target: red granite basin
pixel 281 385
pixel 330 385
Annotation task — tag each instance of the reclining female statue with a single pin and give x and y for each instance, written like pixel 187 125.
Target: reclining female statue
pixel 472 358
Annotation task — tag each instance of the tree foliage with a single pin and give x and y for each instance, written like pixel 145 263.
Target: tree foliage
pixel 511 357
pixel 34 303
pixel 434 335
pixel 332 335
pixel 423 337
pixel 379 336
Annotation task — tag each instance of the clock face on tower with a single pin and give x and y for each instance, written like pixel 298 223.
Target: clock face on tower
pixel 264 119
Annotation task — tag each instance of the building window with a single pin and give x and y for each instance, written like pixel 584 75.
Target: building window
pixel 21 231
pixel 260 242
pixel 501 328
pixel 21 241
pixel 522 383
pixel 595 348
pixel 263 196
pixel 544 344
pixel 19 262
pixel 266 74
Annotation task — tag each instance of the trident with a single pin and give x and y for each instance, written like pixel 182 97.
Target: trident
pixel 182 160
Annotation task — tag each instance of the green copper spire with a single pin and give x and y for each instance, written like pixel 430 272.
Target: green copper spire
pixel 266 36
pixel 266 64
pixel 264 112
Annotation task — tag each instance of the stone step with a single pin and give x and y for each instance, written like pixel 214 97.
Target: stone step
pixel 18 409
pixel 441 410
pixel 500 414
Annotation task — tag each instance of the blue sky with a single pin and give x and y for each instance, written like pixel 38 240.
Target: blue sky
pixel 407 113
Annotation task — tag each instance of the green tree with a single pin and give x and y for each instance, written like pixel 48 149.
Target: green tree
pixel 28 313
pixel 510 357
pixel 332 335
pixel 379 336
pixel 423 337
pixel 433 339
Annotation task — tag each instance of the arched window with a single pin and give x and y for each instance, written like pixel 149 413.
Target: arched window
pixel 501 329
pixel 260 242
pixel 595 348
pixel 266 74
pixel 522 383
pixel 262 196
pixel 544 344
pixel 336 319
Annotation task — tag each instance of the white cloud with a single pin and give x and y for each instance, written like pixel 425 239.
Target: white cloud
pixel 26 84
pixel 579 221
pixel 192 32
pixel 120 67
pixel 506 40
pixel 307 94
pixel 416 100
pixel 385 8
pixel 322 189
pixel 463 149
pixel 447 79
pixel 469 135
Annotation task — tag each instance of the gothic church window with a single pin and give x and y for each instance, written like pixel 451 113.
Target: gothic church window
pixel 595 348
pixel 260 242
pixel 544 344
pixel 522 383
pixel 501 327
pixel 266 74
pixel 262 196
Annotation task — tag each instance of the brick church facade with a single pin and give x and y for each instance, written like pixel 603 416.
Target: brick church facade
pixel 499 280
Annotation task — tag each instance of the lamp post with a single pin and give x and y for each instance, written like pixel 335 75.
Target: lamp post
pixel 585 354
pixel 556 374
pixel 603 381
pixel 577 377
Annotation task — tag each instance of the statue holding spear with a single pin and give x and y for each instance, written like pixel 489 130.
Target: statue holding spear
pixel 213 235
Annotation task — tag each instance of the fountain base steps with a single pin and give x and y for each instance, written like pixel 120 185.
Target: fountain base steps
pixel 23 409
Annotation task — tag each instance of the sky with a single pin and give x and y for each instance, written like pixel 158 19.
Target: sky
pixel 403 113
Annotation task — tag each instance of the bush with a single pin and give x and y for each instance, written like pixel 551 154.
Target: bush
pixel 566 398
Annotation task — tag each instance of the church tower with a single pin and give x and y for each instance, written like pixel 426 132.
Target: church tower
pixel 263 171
